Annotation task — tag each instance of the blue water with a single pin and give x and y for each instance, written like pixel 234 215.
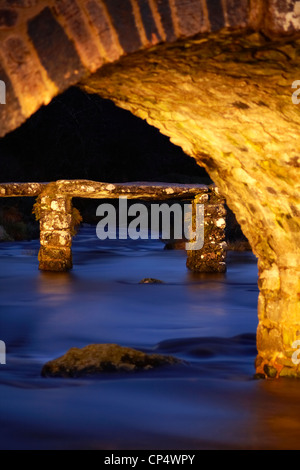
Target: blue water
pixel 211 402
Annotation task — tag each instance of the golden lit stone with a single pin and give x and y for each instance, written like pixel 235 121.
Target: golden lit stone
pixel 226 99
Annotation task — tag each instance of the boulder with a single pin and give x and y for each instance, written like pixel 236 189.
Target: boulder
pixel 99 358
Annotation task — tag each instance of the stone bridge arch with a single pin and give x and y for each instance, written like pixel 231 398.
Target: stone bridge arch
pixel 216 77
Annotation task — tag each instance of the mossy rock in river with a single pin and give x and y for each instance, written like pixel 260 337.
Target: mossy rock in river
pixel 99 358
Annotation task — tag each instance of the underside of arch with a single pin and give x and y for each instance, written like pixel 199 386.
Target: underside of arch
pixel 226 100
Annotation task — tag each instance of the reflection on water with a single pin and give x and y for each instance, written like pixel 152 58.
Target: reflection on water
pixel 55 285
pixel 208 320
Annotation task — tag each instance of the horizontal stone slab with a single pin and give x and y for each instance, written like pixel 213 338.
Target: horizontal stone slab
pixel 21 189
pixel 132 190
pixel 99 190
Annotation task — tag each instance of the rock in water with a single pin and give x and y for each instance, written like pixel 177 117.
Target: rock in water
pixel 97 358
pixel 150 280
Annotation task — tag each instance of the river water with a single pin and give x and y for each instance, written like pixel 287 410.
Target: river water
pixel 210 402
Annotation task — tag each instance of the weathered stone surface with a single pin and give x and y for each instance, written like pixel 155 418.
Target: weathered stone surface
pixel 226 100
pixel 122 17
pixel 61 238
pixel 165 16
pixel 270 371
pixel 135 190
pixel 99 358
pixel 33 90
pixel 97 190
pixel 289 373
pixel 57 259
pixel 191 17
pixel 152 29
pixel 21 189
pixel 237 13
pixel 212 257
pixel 56 51
pixel 78 28
pixel 282 16
pixel 103 31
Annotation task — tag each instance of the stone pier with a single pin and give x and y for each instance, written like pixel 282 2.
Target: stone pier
pixel 212 257
pixel 56 230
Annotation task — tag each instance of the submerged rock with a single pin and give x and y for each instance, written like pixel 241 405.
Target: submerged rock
pixel 150 280
pixel 97 358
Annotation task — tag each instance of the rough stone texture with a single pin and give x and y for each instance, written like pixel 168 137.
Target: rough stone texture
pixel 21 189
pixel 55 213
pixel 55 50
pixel 282 16
pixel 135 190
pixel 212 257
pixel 77 26
pixel 97 190
pixel 65 40
pixel 99 358
pixel 227 101
pixel 103 28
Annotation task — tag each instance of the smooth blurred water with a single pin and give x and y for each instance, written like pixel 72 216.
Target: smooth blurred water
pixel 209 321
